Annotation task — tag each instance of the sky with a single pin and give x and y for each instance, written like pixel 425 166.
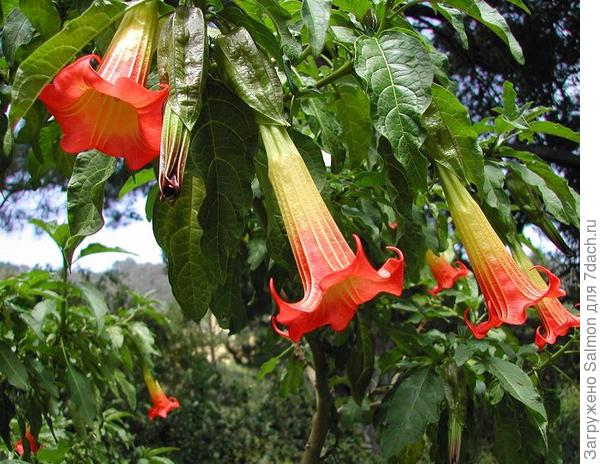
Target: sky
pixel 30 248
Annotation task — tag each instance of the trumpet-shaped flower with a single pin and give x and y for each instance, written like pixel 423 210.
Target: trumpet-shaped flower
pixel 108 108
pixel 335 279
pixel 507 290
pixel 33 444
pixel 556 319
pixel 445 274
pixel 162 405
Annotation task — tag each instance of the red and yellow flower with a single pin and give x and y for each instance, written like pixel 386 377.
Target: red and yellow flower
pixel 162 405
pixel 556 319
pixel 33 444
pixel 445 274
pixel 507 290
pixel 109 108
pixel 335 279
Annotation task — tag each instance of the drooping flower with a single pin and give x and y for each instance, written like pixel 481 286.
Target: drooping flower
pixel 335 279
pixel 33 444
pixel 109 109
pixel 508 292
pixel 162 405
pixel 556 319
pixel 445 274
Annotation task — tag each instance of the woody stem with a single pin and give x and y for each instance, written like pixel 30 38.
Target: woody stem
pixel 321 418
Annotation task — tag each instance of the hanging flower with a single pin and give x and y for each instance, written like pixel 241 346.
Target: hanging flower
pixel 161 404
pixel 556 319
pixel 508 292
pixel 108 108
pixel 335 279
pixel 33 445
pixel 445 274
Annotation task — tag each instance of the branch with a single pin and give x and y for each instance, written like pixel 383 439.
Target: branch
pixel 321 418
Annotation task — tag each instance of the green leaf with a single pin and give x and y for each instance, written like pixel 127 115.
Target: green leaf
pixel 85 197
pixel 43 64
pixel 488 16
pixel 43 15
pixel 267 367
pixel 137 179
pixel 327 128
pixel 143 338
pixel 13 368
pixel 178 233
pixel 315 14
pixel 456 19
pixel 221 153
pixel 560 200
pixel 399 74
pixel 54 455
pixel 35 319
pixel 361 363
pixel 82 396
pixel 251 75
pixel 263 36
pixel 521 5
pixel 554 128
pixel 182 59
pixel 281 17
pixel 451 140
pixel 518 384
pixel 408 410
pixel 95 248
pixel 227 303
pixel 7 412
pixel 358 7
pixel 17 32
pixel 352 110
pixel 57 232
pixel 96 301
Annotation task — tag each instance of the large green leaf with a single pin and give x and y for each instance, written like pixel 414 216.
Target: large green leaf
pixel 408 410
pixel 451 141
pixel 178 233
pixel 518 384
pixel 82 396
pixel 399 74
pixel 227 304
pixel 361 363
pixel 560 200
pixel 43 64
pixel 221 153
pixel 13 368
pixel 43 15
pixel 85 197
pixel 182 59
pixel 96 301
pixel 17 33
pixel 488 16
pixel 315 14
pixel 554 128
pixel 457 19
pixel 352 110
pixel 281 18
pixel 251 75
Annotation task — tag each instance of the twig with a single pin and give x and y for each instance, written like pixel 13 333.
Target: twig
pixel 321 418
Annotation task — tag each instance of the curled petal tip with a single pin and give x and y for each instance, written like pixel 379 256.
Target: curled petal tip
pixel 480 330
pixel 553 290
pixel 282 333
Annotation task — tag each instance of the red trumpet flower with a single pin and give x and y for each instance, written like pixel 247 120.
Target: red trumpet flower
pixel 109 109
pixel 335 279
pixel 33 444
pixel 162 405
pixel 508 292
pixel 556 319
pixel 445 274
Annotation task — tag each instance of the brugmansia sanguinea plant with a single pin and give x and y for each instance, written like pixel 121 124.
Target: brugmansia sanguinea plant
pixel 162 404
pixel 109 108
pixel 556 319
pixel 31 440
pixel 507 290
pixel 445 274
pixel 182 54
pixel 334 278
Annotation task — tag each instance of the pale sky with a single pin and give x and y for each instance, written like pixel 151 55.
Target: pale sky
pixel 30 248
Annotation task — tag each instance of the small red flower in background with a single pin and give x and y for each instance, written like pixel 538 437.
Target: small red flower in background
pixel 110 109
pixel 33 445
pixel 445 274
pixel 556 319
pixel 162 404
pixel 507 290
pixel 335 279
